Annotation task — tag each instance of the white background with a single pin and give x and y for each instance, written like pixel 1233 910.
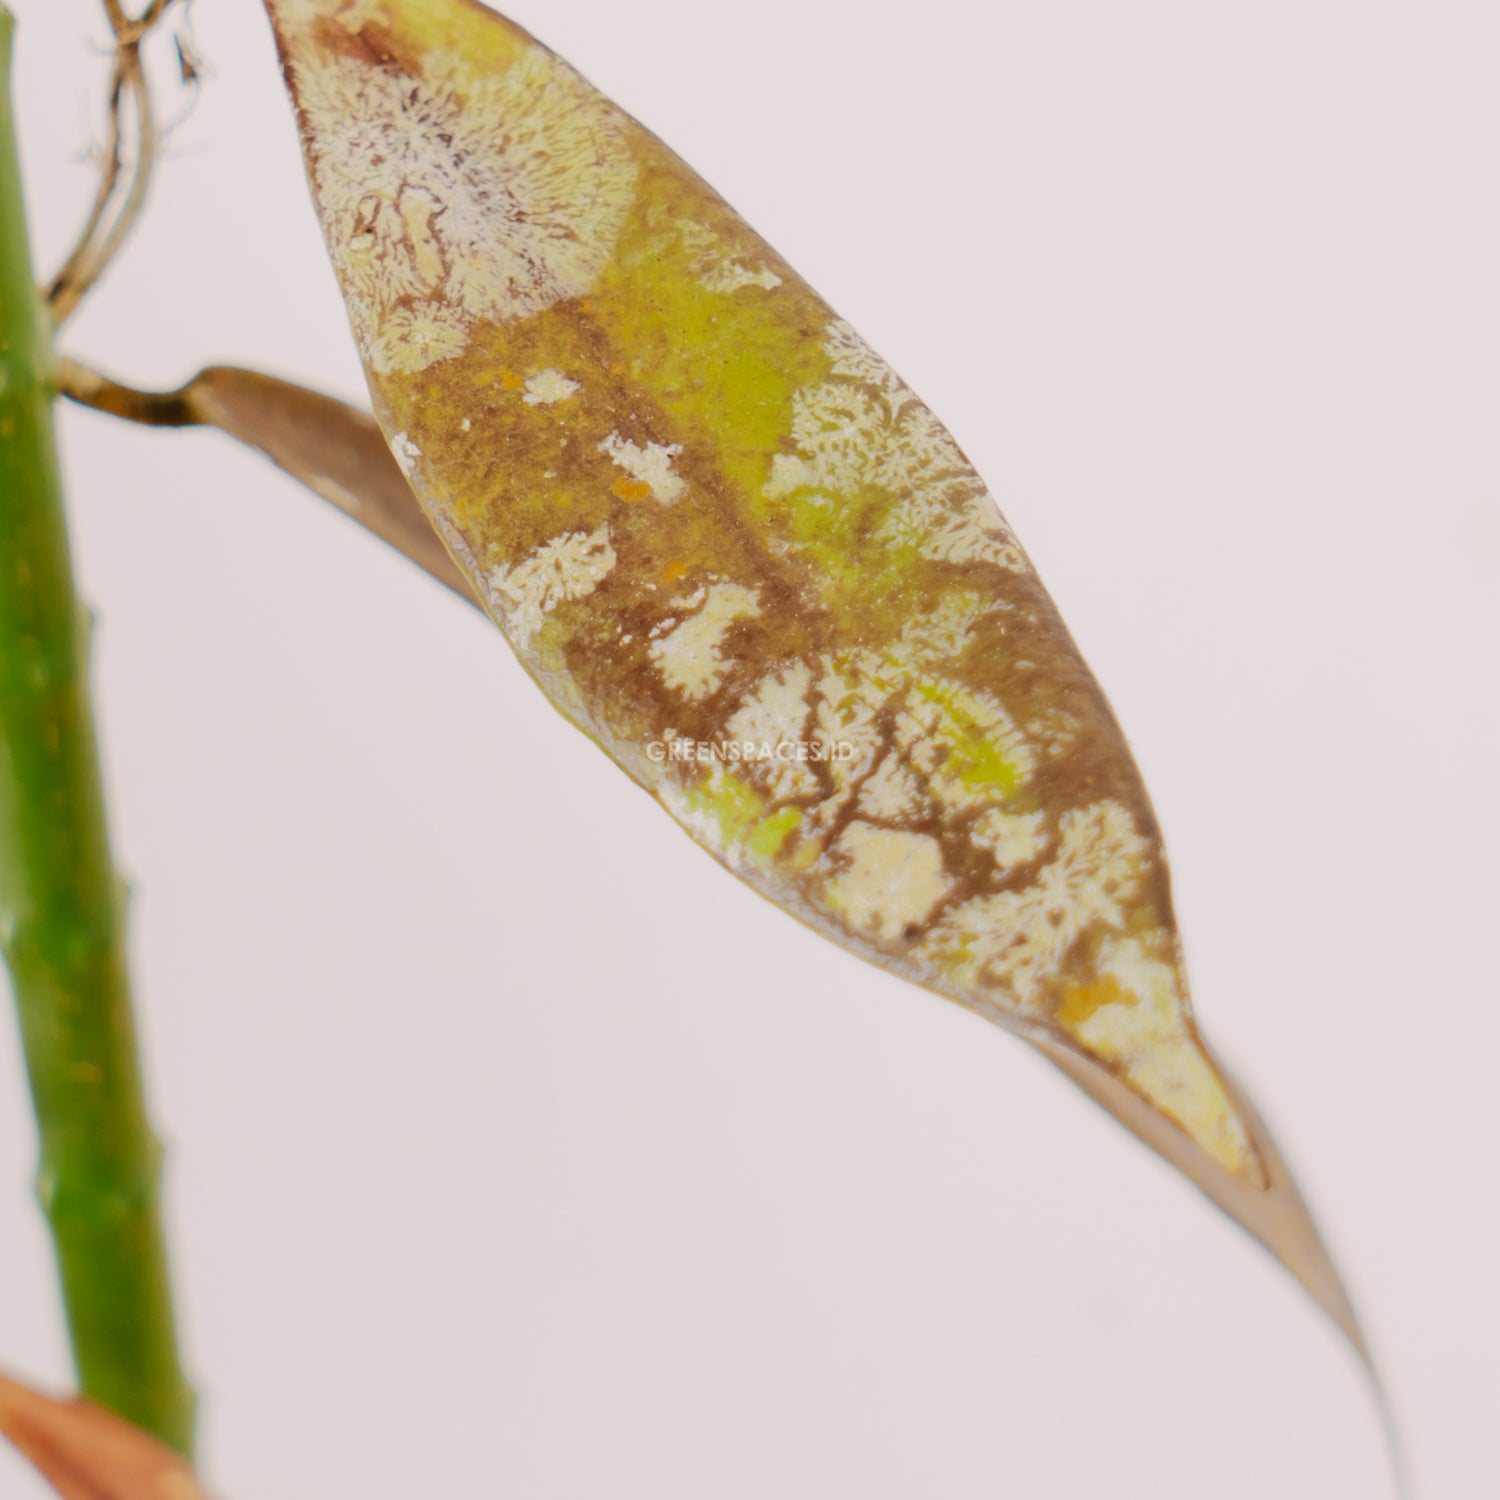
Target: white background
pixel 517 1150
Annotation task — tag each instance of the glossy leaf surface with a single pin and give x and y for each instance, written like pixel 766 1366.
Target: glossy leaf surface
pixel 736 550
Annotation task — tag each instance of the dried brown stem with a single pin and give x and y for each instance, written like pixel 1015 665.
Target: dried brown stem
pixel 128 158
pixel 335 449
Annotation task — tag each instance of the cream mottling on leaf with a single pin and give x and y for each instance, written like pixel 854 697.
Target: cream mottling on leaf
pixel 942 633
pixel 358 13
pixel 777 709
pixel 450 197
pixel 1054 732
pixel 865 433
pixel 890 792
pixel 850 705
pixel 704 508
pixel 406 453
pixel 1138 1024
pixel 1013 838
pixel 690 655
pixel 650 465
pixel 411 338
pixel 890 880
pixel 908 726
pixel 548 387
pixel 776 713
pixel 731 277
pixel 963 742
pixel 1017 941
pixel 568 567
pixel 710 260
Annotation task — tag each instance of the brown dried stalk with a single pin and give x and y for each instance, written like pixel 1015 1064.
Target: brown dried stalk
pixel 129 155
pixel 333 448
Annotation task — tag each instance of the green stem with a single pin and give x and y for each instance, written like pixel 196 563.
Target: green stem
pixel 61 902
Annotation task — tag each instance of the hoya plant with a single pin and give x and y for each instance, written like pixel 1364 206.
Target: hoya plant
pixel 722 536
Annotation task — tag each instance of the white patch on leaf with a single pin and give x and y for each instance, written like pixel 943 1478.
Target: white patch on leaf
pixel 406 453
pixel 918 738
pixel 1054 731
pixel 547 387
pixel 850 698
pixel 456 195
pixel 568 567
pixel 1017 940
pixel 708 259
pixel 891 880
pixel 355 13
pixel 865 430
pixel 774 714
pixel 690 655
pixel 890 792
pixel 963 743
pixel 854 359
pixel 942 634
pixel 651 465
pixel 731 276
pixel 1013 839
pixel 686 806
pixel 1145 1034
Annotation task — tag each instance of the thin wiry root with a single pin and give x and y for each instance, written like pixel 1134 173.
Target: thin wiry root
pixel 132 139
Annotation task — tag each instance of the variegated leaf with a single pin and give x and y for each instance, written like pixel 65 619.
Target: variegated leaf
pixel 735 549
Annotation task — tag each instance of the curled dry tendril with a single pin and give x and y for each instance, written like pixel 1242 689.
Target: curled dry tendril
pixel 132 140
